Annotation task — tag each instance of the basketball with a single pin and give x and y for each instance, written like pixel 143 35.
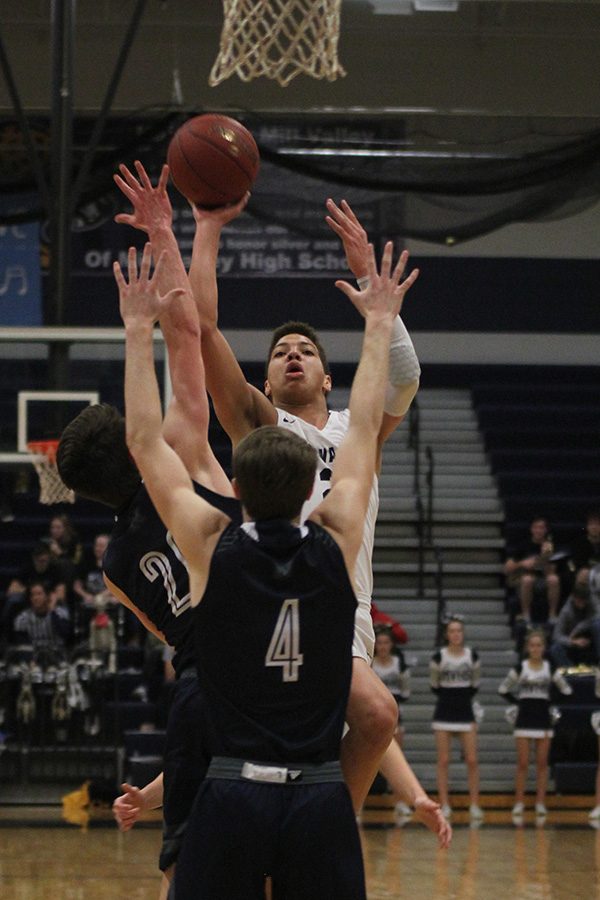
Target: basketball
pixel 213 160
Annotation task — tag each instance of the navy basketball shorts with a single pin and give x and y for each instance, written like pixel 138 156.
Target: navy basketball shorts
pixel 303 836
pixel 185 764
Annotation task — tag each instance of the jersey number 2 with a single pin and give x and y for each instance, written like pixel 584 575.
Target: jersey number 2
pixel 284 649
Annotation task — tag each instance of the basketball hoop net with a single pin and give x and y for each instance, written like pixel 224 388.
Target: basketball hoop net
pixel 52 488
pixel 279 39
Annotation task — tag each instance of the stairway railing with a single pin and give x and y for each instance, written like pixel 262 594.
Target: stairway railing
pixel 425 518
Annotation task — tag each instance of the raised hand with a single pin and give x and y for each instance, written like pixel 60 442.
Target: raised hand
pixel 140 299
pixel 127 808
pixel 222 214
pixel 352 235
pixel 385 293
pixel 151 205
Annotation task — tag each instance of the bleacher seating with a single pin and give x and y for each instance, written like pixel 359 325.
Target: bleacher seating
pixel 542 433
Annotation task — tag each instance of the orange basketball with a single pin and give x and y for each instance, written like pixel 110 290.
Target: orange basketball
pixel 213 160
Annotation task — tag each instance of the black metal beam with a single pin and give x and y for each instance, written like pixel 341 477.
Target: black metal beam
pixel 61 144
pixel 36 163
pixel 111 90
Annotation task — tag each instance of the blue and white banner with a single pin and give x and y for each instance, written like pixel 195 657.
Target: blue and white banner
pixel 20 276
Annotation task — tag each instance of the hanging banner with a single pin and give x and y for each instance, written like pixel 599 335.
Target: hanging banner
pixel 20 277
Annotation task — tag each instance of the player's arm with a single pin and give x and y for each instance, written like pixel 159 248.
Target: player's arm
pixel 239 406
pixel 345 506
pixel 194 524
pixel 126 601
pixel 186 420
pixel 404 369
pixel 133 801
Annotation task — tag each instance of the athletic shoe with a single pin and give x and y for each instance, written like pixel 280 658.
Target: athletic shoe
pixel 517 809
pixel 446 811
pixel 475 811
pixel 540 809
pixel 401 809
pixel 595 813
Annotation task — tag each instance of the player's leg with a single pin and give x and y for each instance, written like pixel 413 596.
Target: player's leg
pixel 319 852
pixel 227 845
pixel 521 774
pixel 553 594
pixel 443 740
pixel 595 813
pixel 526 585
pixel 372 715
pixel 542 749
pixel 185 763
pixel 469 748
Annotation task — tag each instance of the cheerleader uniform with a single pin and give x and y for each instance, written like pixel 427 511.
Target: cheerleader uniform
pixel 530 689
pixel 455 679
pixel 395 674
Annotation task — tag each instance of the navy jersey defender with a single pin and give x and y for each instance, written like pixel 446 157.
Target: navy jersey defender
pixel 279 697
pixel 144 567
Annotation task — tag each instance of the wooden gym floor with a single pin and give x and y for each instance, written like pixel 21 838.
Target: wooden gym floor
pixel 42 857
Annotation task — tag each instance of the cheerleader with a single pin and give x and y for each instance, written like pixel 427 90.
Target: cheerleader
pixel 454 676
pixel 389 665
pixel 528 685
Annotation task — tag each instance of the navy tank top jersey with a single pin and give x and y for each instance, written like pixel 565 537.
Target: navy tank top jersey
pixel 274 643
pixel 143 560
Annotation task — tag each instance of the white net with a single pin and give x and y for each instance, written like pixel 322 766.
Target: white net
pixel 279 39
pixel 52 488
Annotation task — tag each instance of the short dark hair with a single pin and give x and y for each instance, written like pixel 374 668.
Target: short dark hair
pixel 298 328
pixel 275 471
pixel 93 459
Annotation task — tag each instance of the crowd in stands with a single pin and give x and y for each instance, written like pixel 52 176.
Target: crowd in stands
pixel 57 618
pixel 57 607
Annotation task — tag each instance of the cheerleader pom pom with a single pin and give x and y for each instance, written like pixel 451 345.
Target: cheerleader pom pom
pixel 555 714
pixel 595 720
pixel 510 714
pixel 478 712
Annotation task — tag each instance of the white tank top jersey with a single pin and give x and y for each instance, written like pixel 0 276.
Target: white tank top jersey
pixel 326 441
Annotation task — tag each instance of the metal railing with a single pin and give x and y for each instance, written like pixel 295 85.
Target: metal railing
pixel 424 510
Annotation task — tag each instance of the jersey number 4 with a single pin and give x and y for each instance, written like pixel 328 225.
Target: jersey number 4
pixel 284 649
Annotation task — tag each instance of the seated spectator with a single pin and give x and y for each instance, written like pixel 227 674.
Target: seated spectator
pixel 62 539
pixel 89 584
pixel 576 635
pixel 585 550
pixel 41 568
pixel 382 619
pixel 90 581
pixel 44 623
pixel 530 573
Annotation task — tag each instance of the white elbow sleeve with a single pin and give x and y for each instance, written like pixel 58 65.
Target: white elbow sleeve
pixel 404 371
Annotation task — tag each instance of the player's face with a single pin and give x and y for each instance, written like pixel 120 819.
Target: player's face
pixel 538 529
pixel 535 647
pixel 295 372
pixel 593 529
pixel 383 645
pixel 38 598
pixel 455 634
